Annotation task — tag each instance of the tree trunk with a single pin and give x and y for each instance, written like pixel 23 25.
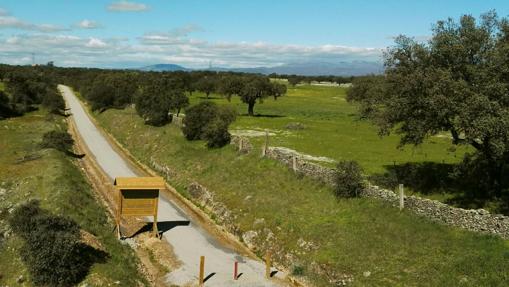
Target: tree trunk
pixel 178 112
pixel 250 108
pixel 207 95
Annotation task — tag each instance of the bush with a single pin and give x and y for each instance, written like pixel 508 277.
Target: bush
pixel 6 109
pixel 61 141
pixel 52 251
pixel 348 179
pixel 298 270
pixel 216 134
pixel 209 122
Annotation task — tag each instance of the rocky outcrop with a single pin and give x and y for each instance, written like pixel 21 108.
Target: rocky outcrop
pixel 242 143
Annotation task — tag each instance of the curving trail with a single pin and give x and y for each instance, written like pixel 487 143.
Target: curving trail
pixel 189 242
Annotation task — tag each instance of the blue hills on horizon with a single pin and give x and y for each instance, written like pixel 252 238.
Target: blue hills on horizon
pixel 354 68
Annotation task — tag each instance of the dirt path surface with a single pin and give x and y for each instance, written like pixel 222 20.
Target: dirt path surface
pixel 188 240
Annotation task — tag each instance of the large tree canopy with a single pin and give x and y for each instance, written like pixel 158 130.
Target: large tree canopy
pixel 257 88
pixel 457 82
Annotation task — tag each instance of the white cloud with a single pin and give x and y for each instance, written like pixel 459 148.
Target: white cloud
pixel 127 6
pixel 174 46
pixel 95 43
pixel 87 24
pixel 7 21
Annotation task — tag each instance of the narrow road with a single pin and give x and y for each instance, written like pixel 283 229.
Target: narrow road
pixel 189 242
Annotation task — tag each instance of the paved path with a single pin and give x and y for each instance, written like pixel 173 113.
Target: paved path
pixel 189 242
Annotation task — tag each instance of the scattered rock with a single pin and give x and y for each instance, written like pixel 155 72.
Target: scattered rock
pixel 200 193
pixel 20 279
pixel 249 237
pixel 242 143
pixel 259 221
pixel 295 126
pixel 90 240
pixel 366 273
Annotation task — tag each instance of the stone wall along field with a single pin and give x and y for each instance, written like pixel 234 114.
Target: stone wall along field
pixel 478 220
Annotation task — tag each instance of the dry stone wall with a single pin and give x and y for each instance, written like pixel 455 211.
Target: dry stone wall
pixel 478 220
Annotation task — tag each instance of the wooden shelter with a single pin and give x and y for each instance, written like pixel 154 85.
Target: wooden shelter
pixel 138 196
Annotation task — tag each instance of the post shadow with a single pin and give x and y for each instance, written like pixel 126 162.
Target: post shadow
pixel 208 277
pixel 162 226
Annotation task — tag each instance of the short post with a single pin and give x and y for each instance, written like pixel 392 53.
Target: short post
pixel 236 270
pixel 294 163
pixel 401 197
pixel 240 144
pixel 202 270
pixel 266 145
pixel 267 265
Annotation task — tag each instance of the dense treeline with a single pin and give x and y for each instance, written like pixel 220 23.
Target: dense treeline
pixel 157 92
pixel 156 96
pixel 25 89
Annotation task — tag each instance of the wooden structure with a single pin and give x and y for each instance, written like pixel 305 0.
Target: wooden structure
pixel 138 196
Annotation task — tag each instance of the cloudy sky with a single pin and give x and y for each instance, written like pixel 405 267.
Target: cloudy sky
pixel 226 33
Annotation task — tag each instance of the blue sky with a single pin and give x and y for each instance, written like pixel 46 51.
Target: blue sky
pixel 225 32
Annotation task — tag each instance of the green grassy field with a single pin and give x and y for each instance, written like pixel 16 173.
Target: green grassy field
pixel 332 129
pixel 56 180
pixel 353 236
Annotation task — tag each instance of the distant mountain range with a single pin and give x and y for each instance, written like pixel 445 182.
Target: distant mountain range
pixel 164 68
pixel 355 68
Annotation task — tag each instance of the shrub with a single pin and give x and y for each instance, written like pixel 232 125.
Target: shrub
pixel 6 109
pixel 348 179
pixel 216 134
pixel 52 251
pixel 197 118
pixel 209 122
pixel 61 141
pixel 298 270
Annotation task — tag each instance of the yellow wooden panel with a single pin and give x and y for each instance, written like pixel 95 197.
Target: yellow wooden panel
pixel 138 202
pixel 137 211
pixel 139 183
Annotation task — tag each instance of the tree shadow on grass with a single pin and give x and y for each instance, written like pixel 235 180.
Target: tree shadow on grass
pixel 264 116
pixel 431 178
pixel 75 155
pixel 86 256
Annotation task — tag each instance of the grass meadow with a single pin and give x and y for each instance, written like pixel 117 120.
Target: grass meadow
pixel 332 129
pixel 353 236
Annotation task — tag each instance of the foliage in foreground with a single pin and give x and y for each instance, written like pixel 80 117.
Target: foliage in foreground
pixel 348 179
pixel 53 252
pixel 457 83
pixel 208 121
